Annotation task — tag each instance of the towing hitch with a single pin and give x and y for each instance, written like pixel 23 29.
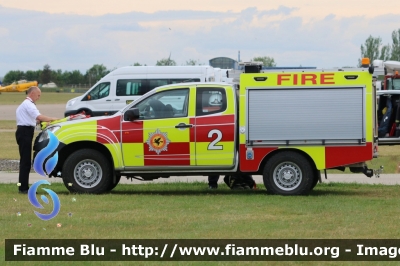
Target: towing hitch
pixel 362 168
pixel 368 172
pixel 371 172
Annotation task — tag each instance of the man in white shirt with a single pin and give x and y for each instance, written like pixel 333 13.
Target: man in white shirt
pixel 27 117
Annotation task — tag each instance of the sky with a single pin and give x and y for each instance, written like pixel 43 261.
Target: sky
pixel 76 34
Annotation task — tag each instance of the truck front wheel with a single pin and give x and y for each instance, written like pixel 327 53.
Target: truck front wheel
pixel 112 184
pixel 288 173
pixel 87 171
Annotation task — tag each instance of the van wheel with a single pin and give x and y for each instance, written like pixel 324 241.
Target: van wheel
pixel 288 173
pixel 87 171
pixel 87 112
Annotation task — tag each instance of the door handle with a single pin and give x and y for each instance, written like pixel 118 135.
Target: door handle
pixel 108 100
pixel 117 99
pixel 183 125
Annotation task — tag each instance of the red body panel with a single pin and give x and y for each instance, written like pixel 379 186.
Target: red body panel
pixel 343 155
pixel 259 155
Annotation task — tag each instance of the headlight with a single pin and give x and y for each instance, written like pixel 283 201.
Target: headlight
pixel 43 136
pixel 70 103
pixel 53 128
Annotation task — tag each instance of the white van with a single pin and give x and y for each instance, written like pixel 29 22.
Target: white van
pixel 126 84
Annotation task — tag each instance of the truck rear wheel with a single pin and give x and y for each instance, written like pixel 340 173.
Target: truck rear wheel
pixel 317 177
pixel 288 173
pixel 87 171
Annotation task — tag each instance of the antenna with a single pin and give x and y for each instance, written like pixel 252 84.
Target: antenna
pixel 169 59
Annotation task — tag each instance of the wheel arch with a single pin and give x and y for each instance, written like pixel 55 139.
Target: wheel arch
pixel 278 151
pixel 86 110
pixel 74 146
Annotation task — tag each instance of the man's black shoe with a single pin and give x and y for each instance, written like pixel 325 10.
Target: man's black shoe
pixel 23 191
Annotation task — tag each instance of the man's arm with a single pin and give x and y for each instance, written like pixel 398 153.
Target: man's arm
pixel 43 118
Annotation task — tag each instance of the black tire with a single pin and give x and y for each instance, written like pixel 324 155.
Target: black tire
pixel 113 185
pixel 87 112
pixel 317 177
pixel 288 173
pixel 87 171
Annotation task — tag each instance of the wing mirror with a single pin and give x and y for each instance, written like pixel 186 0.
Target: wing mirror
pixel 131 114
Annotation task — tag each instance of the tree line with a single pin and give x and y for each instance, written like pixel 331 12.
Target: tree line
pixel 61 78
pixel 373 48
pixel 91 76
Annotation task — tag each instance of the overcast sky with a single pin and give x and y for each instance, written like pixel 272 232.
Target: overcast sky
pixel 76 34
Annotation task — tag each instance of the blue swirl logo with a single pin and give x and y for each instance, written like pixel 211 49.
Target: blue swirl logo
pixel 32 198
pixel 43 164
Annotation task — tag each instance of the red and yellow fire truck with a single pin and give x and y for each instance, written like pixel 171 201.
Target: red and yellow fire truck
pixel 284 125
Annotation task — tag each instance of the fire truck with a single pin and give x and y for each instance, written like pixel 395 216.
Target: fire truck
pixel 284 125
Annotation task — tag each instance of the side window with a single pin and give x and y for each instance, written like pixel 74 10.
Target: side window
pixel 165 104
pixel 153 83
pixel 396 84
pixel 131 87
pixel 174 81
pixel 100 91
pixel 210 101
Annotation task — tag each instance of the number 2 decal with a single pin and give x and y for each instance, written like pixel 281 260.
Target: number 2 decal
pixel 213 144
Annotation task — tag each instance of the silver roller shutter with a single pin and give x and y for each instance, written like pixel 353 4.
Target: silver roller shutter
pixel 306 116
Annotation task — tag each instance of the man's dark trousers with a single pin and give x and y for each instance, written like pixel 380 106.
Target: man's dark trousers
pixel 24 137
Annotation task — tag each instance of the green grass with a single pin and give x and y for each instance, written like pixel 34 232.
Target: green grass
pixel 8 124
pixel 46 97
pixel 344 211
pixel 8 145
pixel 189 211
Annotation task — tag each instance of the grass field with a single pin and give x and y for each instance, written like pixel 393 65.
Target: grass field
pixel 189 211
pixel 150 208
pixel 46 98
pixel 8 124
pixel 8 145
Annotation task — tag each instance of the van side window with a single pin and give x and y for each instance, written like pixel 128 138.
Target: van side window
pixel 165 104
pixel 153 83
pixel 174 81
pixel 210 101
pixel 138 87
pixel 100 91
pixel 157 83
pixel 131 87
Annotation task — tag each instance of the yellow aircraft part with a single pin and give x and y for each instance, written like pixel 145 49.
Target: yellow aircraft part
pixel 18 87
